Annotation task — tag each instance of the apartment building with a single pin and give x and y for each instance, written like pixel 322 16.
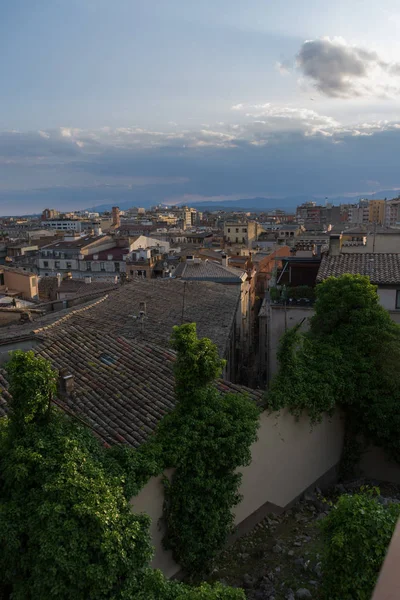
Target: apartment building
pixel 392 213
pixel 65 256
pixel 241 232
pixel 376 211
pixel 64 224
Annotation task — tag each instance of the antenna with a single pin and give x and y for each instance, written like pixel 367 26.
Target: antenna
pixel 183 302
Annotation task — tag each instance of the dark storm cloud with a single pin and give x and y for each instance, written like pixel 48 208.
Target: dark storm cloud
pixel 278 153
pixel 344 71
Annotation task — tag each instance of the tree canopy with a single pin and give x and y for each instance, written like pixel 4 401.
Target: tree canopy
pixel 348 358
pixel 67 530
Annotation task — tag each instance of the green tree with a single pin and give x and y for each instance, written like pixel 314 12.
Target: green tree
pixel 357 533
pixel 348 358
pixel 207 438
pixel 67 531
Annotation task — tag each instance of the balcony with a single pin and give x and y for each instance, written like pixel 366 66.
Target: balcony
pixel 302 295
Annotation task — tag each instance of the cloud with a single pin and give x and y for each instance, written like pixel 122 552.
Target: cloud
pixel 264 149
pixel 340 70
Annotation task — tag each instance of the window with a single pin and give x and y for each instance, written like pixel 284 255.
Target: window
pixel 116 266
pixel 237 229
pixel 229 229
pixel 69 265
pixel 398 299
pixel 57 264
pixel 102 266
pixel 244 230
pixel 1 278
pixel 88 266
pixel 45 264
pixel 237 240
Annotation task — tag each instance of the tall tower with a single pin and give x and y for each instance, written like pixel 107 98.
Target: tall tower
pixel 116 219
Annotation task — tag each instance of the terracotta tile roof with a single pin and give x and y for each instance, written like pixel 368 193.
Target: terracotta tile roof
pixel 121 388
pixel 206 270
pixel 210 305
pixel 116 254
pixel 78 286
pixel 382 269
pixel 123 372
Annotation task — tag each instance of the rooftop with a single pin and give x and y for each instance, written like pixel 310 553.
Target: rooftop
pixel 79 243
pixel 115 253
pixel 122 372
pixel 382 269
pixel 206 270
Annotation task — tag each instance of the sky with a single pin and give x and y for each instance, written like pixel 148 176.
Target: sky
pixel 175 101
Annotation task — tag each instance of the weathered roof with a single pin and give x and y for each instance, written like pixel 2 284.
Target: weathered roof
pixel 211 306
pixel 382 269
pixel 78 243
pixel 121 388
pixel 79 286
pixel 122 367
pixel 116 253
pixel 206 270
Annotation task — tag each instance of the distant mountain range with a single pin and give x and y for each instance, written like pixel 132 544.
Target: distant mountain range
pixel 260 204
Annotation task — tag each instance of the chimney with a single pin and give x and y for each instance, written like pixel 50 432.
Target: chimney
pixel 225 260
pixel 59 279
pixel 142 308
pixel 65 383
pixel 335 244
pixel 88 279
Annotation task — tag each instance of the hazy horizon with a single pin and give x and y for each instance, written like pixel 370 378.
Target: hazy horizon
pixel 173 102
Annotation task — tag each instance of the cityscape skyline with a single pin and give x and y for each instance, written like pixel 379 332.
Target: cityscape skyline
pixel 178 103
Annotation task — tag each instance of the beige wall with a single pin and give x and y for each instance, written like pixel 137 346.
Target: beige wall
pixel 26 283
pixel 384 242
pixel 287 459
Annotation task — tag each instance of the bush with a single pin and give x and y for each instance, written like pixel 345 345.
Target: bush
pixel 357 534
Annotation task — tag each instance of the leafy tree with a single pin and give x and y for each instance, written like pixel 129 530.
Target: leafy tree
pixel 67 531
pixel 348 358
pixel 357 534
pixel 207 438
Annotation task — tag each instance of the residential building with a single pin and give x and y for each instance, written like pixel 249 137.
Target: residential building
pixel 241 232
pixel 64 224
pixel 370 238
pixel 18 283
pixel 311 212
pixel 383 269
pixel 102 263
pixel 143 262
pixel 196 269
pixel 392 213
pixel 65 256
pixel 358 214
pixel 376 211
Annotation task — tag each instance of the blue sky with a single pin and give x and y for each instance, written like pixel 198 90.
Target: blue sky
pixel 173 100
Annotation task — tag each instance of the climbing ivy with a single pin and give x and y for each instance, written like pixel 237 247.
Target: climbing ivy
pixel 357 534
pixel 348 358
pixel 206 439
pixel 67 530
